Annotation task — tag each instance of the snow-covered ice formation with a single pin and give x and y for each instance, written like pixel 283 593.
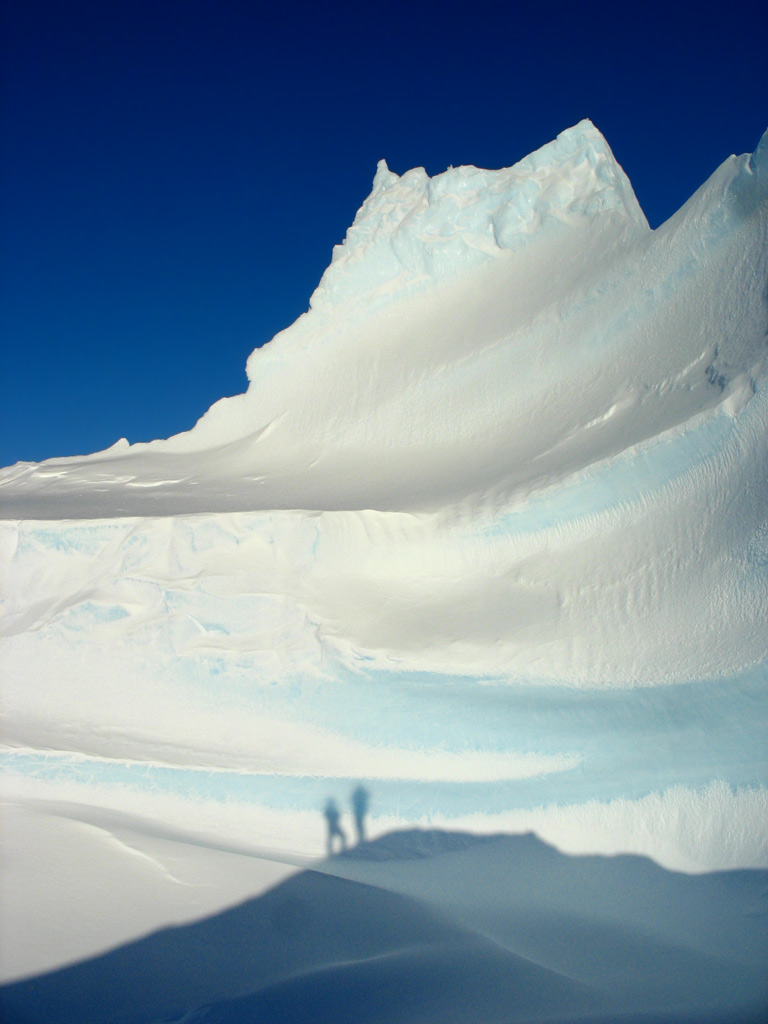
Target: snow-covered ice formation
pixel 488 531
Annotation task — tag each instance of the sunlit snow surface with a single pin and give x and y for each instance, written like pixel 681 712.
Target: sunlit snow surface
pixel 488 531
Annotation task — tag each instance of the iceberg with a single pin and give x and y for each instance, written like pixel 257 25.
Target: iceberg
pixel 487 533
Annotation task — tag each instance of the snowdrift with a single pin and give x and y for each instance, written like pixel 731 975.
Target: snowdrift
pixel 488 532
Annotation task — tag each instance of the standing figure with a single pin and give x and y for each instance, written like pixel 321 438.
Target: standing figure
pixel 360 808
pixel 334 828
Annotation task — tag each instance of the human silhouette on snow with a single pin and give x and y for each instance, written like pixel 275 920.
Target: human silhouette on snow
pixel 334 828
pixel 360 800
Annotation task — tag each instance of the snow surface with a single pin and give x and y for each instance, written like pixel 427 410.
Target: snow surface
pixel 429 926
pixel 488 532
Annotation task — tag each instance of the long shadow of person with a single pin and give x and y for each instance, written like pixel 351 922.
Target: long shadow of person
pixel 335 831
pixel 360 801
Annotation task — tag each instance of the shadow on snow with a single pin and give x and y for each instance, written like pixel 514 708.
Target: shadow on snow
pixel 424 926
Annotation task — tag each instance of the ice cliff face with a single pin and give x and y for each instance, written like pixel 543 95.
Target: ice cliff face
pixel 488 529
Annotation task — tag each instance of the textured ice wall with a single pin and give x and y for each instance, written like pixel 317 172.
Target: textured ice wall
pixel 488 530
pixel 415 231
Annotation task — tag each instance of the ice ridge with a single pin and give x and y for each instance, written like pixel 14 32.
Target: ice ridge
pixel 414 229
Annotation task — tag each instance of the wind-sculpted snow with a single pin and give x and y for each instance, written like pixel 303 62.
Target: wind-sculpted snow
pixel 488 530
pixel 412 386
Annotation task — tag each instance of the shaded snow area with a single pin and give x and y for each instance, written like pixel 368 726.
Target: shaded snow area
pixel 439 926
pixel 485 541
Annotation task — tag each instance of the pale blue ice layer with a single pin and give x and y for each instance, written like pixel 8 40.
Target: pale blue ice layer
pixel 629 743
pixel 619 482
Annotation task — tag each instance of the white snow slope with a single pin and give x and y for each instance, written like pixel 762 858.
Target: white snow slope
pixel 488 531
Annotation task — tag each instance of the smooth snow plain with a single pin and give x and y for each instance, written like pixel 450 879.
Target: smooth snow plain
pixel 488 533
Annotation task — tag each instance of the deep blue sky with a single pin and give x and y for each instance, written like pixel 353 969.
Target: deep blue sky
pixel 177 173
